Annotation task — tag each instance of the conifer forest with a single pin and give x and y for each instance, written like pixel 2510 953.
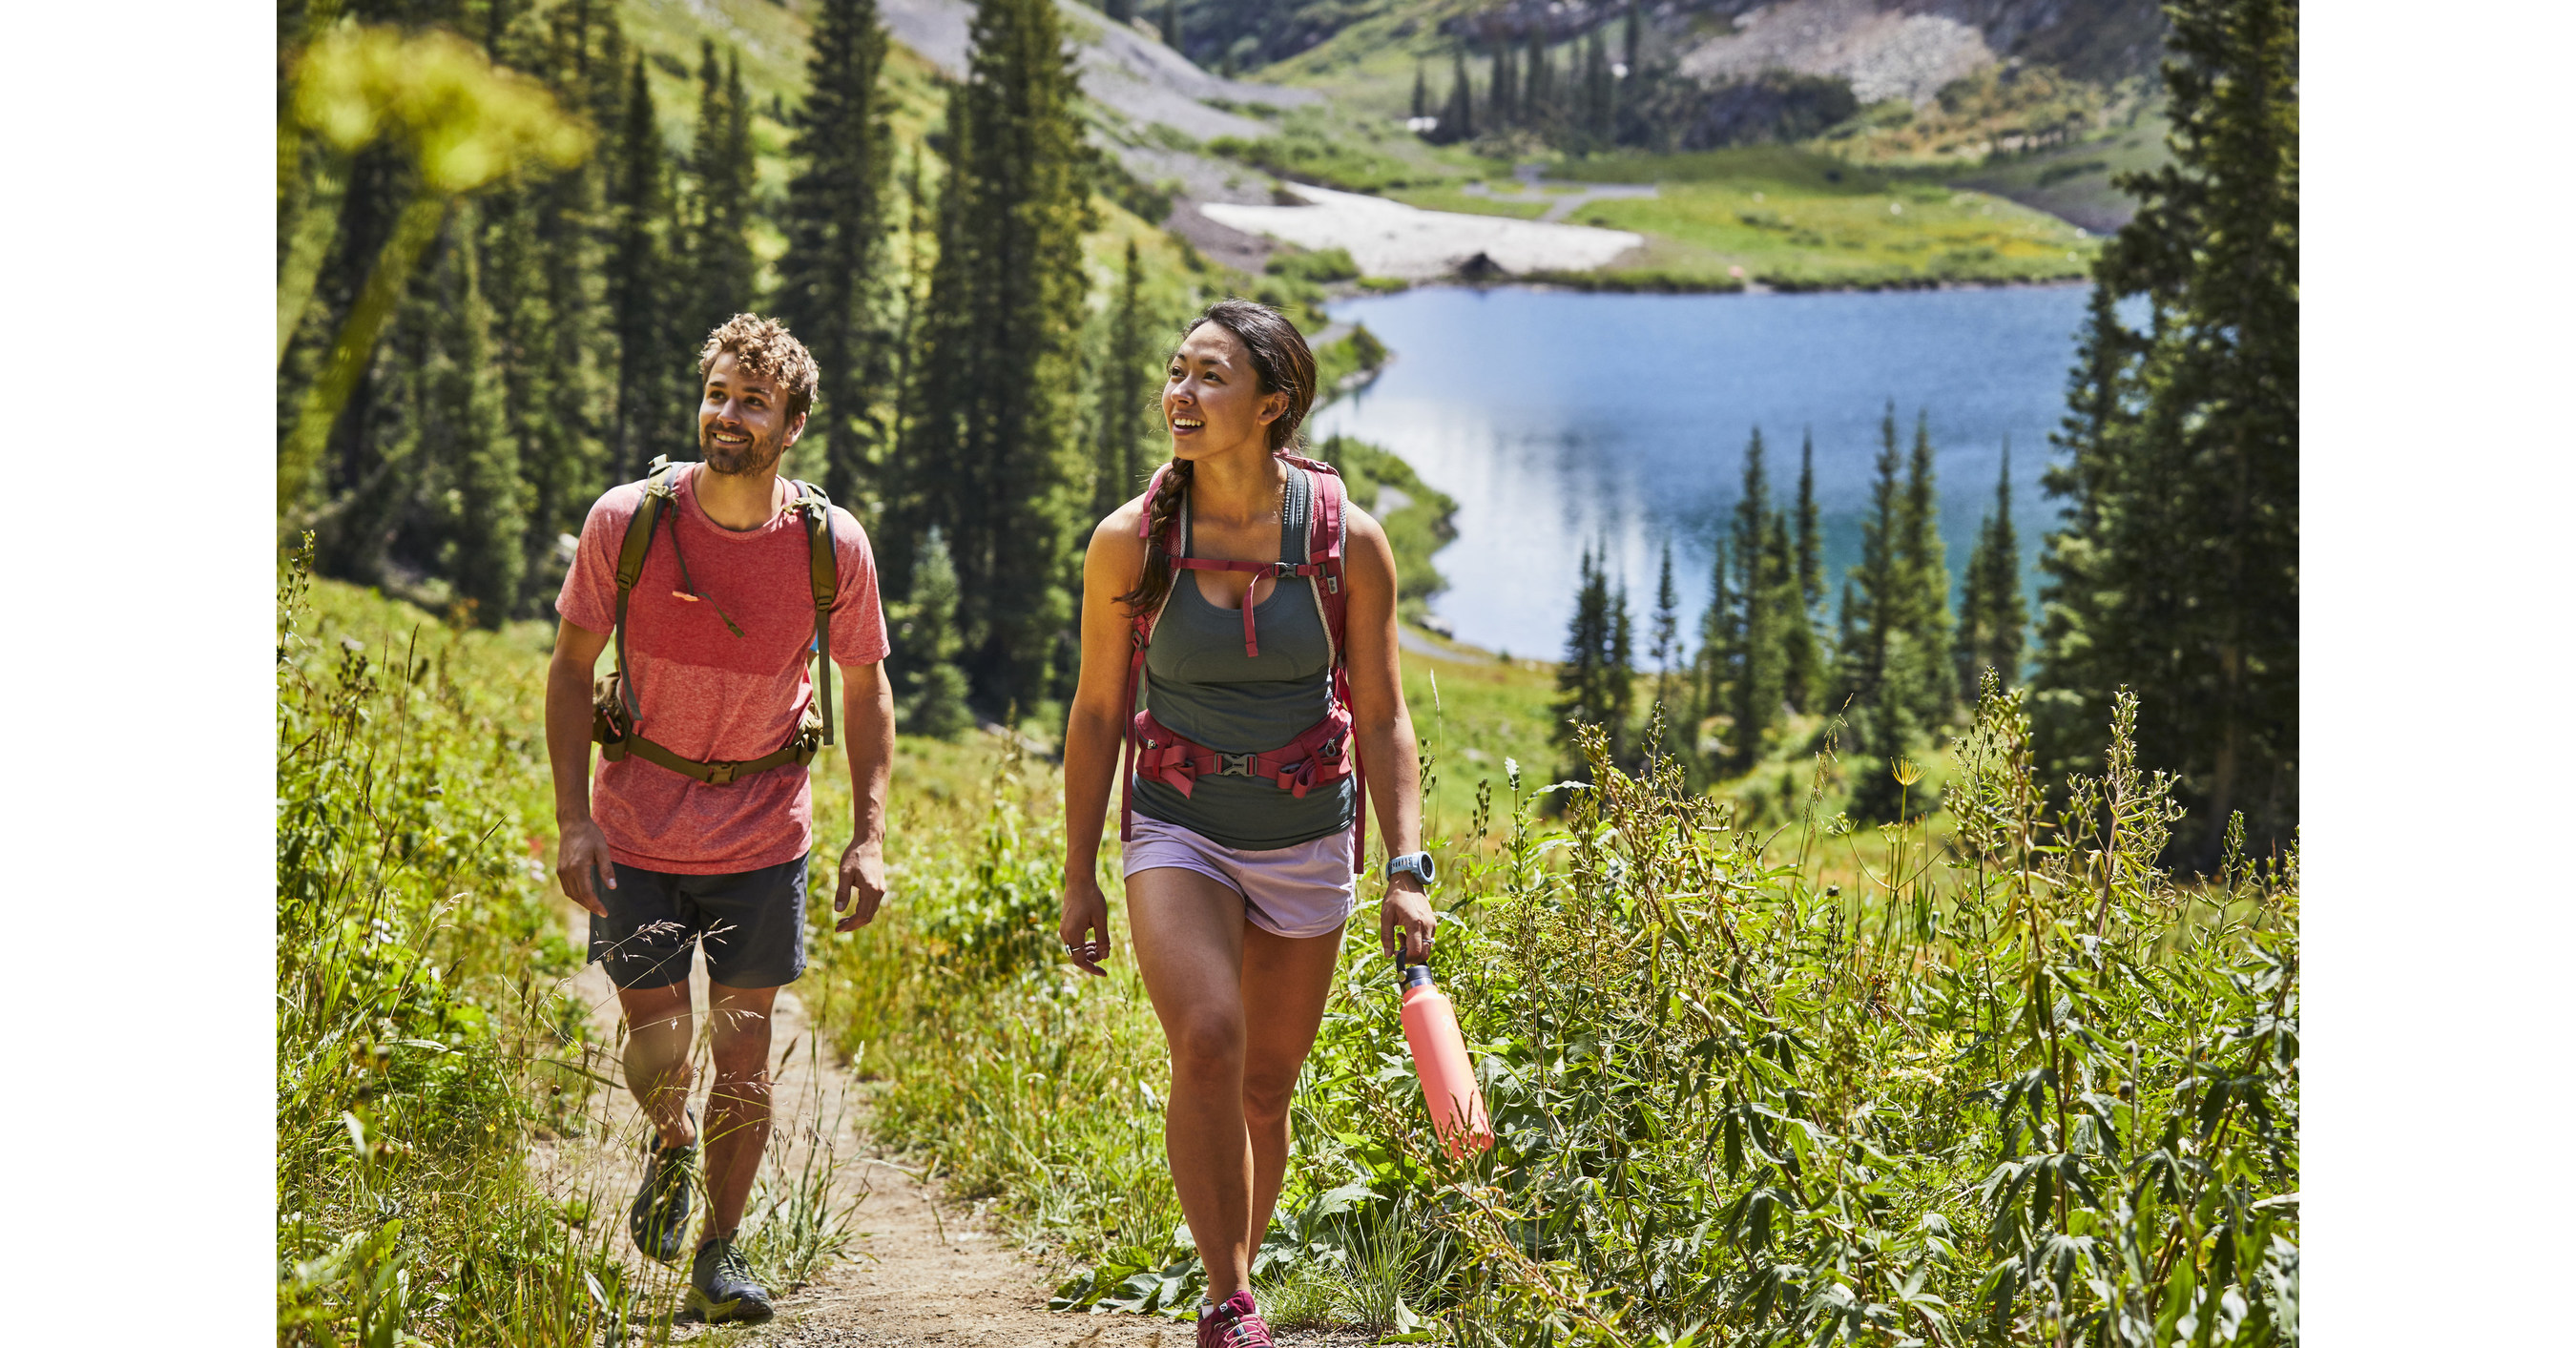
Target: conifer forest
pixel 1864 932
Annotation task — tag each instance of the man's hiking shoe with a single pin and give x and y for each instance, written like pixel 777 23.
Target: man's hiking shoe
pixel 721 1289
pixel 1235 1324
pixel 659 1220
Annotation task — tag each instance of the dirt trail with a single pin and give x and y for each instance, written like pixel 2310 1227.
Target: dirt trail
pixel 925 1270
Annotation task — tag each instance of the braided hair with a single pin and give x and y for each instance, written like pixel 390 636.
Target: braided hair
pixel 1281 363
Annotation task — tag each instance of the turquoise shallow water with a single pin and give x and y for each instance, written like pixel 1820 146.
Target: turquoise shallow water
pixel 1556 418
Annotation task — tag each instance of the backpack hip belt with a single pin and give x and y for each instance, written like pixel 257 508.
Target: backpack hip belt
pixel 613 713
pixel 1319 756
pixel 1324 752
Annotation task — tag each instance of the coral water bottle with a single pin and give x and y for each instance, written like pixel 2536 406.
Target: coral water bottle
pixel 1440 1059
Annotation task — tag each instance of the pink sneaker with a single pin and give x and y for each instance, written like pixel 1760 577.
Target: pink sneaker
pixel 1235 1324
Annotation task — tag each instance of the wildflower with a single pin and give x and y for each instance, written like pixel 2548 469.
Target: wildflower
pixel 1905 772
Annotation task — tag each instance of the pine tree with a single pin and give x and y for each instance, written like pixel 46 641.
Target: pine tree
pixel 491 501
pixel 1666 632
pixel 1807 676
pixel 1876 656
pixel 1124 395
pixel 1872 603
pixel 720 169
pixel 647 420
pixel 831 280
pixel 544 446
pixel 1172 24
pixel 1119 10
pixel 2176 573
pixel 1421 91
pixel 1924 579
pixel 1619 673
pixel 1582 686
pixel 1458 118
pixel 1599 102
pixel 1665 651
pixel 1502 99
pixel 1763 575
pixel 926 633
pixel 1716 638
pixel 990 456
pixel 1992 618
pixel 1538 97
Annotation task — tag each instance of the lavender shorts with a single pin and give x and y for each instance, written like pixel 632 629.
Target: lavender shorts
pixel 1297 892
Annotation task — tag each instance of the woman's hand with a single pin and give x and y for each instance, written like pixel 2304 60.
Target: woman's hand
pixel 1085 925
pixel 1406 917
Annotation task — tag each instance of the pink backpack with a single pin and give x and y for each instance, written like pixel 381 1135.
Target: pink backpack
pixel 1323 752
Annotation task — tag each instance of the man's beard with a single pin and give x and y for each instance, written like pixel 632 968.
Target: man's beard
pixel 757 457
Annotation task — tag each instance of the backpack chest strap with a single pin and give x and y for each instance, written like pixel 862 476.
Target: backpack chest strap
pixel 1274 570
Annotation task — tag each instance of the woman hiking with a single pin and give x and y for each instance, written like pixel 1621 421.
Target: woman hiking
pixel 1230 575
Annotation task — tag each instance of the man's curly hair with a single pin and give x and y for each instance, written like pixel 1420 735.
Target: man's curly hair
pixel 763 347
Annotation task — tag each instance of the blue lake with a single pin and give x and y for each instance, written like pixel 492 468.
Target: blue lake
pixel 1559 418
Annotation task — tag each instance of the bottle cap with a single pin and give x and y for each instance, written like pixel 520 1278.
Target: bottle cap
pixel 1417 976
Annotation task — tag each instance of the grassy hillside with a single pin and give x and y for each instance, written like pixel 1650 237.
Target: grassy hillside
pixel 2073 182
pixel 772 40
pixel 1983 164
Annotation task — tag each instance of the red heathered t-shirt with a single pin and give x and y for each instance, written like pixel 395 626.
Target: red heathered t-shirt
pixel 707 694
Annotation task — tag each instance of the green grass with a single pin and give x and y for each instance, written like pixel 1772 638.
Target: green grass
pixel 1729 1091
pixel 2074 181
pixel 423 1041
pixel 1328 144
pixel 1516 205
pixel 1888 234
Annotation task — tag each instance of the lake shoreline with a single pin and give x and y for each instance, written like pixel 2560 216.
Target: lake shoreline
pixel 1564 422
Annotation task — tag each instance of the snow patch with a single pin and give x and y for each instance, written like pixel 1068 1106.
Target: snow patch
pixel 1389 238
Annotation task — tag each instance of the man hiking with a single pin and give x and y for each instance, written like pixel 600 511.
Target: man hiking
pixel 716 581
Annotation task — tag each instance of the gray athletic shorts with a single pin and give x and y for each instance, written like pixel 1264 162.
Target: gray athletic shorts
pixel 751 924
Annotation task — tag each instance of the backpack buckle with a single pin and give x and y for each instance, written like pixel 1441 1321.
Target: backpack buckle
pixel 1235 765
pixel 721 774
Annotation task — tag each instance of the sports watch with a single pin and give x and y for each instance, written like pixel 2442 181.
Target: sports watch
pixel 1415 864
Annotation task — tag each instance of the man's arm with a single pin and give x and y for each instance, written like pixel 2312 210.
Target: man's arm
pixel 867 729
pixel 582 849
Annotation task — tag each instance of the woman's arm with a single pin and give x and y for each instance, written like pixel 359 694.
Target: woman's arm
pixel 1384 728
pixel 1094 729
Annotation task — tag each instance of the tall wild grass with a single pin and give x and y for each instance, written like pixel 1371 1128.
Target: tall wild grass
pixel 2017 1086
pixel 418 958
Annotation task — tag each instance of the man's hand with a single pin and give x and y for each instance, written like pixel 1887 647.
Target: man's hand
pixel 583 854
pixel 863 884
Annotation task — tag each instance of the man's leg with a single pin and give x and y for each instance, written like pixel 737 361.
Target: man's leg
pixel 737 1124
pixel 1189 947
pixel 1285 984
pixel 657 1057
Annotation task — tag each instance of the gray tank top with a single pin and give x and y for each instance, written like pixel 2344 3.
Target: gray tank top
pixel 1199 682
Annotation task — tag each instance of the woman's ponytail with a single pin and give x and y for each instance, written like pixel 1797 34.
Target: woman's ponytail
pixel 1160 511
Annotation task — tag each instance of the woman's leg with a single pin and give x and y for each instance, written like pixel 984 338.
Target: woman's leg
pixel 1189 935
pixel 1285 984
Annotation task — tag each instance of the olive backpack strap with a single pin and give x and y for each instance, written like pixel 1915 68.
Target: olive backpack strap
pixel 826 574
pixel 658 489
